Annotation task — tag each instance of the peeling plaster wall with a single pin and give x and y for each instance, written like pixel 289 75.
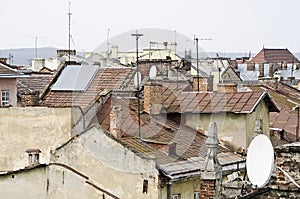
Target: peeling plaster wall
pixel 109 164
pixel 234 130
pixel 186 189
pixel 24 185
pixel 31 128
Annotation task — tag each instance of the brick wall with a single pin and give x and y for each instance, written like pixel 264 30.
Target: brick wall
pixel 205 84
pixel 152 98
pixel 227 87
pixel 207 189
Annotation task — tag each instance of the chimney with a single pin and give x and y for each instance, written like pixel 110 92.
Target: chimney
pixel 115 121
pixel 205 84
pixel 210 182
pixel 172 149
pixel 153 98
pixel 33 157
pixel 114 52
pixel 227 87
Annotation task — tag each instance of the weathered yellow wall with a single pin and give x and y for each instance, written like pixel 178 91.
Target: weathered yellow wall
pixel 261 112
pixel 109 164
pixel 24 185
pixel 233 129
pixel 186 189
pixel 23 128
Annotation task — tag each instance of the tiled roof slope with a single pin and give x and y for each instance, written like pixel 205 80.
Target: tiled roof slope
pixel 240 102
pixel 105 79
pixel 35 82
pixel 155 130
pixel 286 119
pixel 6 71
pixel 274 56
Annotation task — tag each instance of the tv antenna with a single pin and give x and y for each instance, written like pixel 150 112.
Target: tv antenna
pixel 69 37
pixel 137 78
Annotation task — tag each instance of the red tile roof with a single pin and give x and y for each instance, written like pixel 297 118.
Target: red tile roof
pixel 156 129
pixel 6 71
pixel 286 118
pixel 35 82
pixel 241 102
pixel 105 79
pixel 274 56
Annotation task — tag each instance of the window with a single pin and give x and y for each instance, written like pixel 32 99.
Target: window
pixel 4 98
pixel 175 196
pixel 145 186
pixel 196 195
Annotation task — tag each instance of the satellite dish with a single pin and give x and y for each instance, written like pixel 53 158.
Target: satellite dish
pixel 260 161
pixel 137 78
pixel 153 72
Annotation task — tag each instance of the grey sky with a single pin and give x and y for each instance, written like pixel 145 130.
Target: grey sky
pixel 234 25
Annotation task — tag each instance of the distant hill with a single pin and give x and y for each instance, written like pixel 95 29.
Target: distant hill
pixel 23 56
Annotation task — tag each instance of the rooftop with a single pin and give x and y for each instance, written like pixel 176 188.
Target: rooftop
pixel 274 56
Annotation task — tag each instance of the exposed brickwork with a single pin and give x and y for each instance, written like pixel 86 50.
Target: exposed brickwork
pixel 205 84
pixel 152 98
pixel 227 88
pixel 30 99
pixel 115 121
pixel 207 189
pixel 288 159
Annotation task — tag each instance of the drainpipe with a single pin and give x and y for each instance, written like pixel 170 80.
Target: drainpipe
pixel 169 190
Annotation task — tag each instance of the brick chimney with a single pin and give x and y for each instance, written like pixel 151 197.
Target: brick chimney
pixel 227 87
pixel 115 121
pixel 205 83
pixel 153 98
pixel 33 157
pixel 211 177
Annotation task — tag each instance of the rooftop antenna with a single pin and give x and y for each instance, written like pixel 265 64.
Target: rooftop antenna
pixel 196 39
pixel 69 13
pixel 108 30
pixel 138 77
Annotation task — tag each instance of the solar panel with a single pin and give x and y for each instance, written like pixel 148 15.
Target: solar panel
pixel 75 78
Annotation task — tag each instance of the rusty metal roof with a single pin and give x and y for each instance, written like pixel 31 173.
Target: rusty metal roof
pixel 240 102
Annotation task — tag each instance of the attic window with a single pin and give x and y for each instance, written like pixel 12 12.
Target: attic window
pixel 145 186
pixel 33 156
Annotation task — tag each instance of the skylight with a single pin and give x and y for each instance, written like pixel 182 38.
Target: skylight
pixel 75 78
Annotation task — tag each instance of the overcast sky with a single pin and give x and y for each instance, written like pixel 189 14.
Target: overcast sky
pixel 233 25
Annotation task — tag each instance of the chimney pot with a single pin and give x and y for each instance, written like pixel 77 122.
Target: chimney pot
pixel 115 121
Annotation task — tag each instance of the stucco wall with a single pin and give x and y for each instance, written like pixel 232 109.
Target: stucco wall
pixel 186 189
pixel 31 128
pixel 260 112
pixel 109 164
pixel 11 86
pixel 233 129
pixel 24 185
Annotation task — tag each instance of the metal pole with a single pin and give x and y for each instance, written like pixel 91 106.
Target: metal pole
pixel 197 64
pixel 69 13
pixel 136 35
pixel 297 127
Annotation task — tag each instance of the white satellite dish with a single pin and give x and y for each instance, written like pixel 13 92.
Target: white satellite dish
pixel 260 161
pixel 137 79
pixel 153 72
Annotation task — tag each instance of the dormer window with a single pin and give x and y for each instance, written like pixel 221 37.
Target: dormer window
pixel 4 98
pixel 33 156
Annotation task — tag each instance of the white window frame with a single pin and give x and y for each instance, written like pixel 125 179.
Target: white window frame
pixel 4 97
pixel 196 195
pixel 175 196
